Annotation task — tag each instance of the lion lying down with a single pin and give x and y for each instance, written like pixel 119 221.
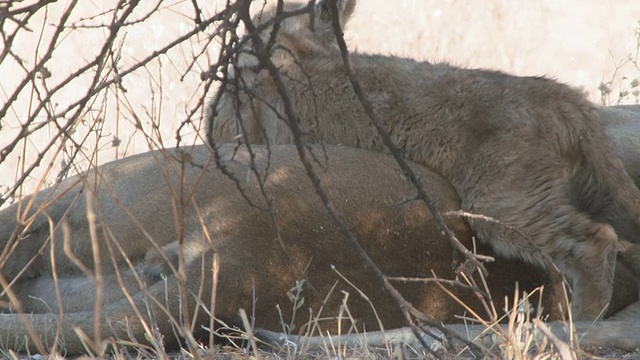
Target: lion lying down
pixel 528 151
pixel 257 260
pixel 142 204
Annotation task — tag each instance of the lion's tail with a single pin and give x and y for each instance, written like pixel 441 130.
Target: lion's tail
pixel 139 318
pixel 48 331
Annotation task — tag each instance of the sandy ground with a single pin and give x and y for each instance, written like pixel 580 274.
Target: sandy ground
pixel 578 43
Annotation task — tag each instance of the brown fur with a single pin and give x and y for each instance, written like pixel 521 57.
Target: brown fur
pixel 528 151
pixel 401 238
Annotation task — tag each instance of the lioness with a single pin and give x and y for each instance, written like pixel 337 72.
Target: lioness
pixel 140 212
pixel 528 151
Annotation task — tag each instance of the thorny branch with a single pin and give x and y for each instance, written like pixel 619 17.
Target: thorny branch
pixel 98 85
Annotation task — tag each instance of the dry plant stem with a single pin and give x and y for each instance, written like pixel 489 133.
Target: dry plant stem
pixel 366 298
pixel 468 215
pixel 179 203
pixel 249 332
pixel 54 275
pixel 188 332
pixel 561 346
pixel 180 217
pixel 422 195
pixel 95 344
pixel 215 269
pixel 407 309
pixel 98 280
pixel 188 326
pixel 150 333
pixel 180 200
pixel 436 279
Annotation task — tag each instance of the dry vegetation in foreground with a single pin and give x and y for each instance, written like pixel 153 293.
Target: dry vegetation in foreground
pixel 87 82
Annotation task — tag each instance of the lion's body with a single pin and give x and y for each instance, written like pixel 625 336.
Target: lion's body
pixel 402 239
pixel 528 151
pixel 245 239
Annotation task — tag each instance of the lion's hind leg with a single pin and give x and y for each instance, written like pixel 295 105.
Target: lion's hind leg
pixel 594 260
pixel 561 237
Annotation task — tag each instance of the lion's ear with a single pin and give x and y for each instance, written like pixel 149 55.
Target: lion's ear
pixel 345 10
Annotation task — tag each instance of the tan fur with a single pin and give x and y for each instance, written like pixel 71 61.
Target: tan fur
pixel 528 151
pixel 401 237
